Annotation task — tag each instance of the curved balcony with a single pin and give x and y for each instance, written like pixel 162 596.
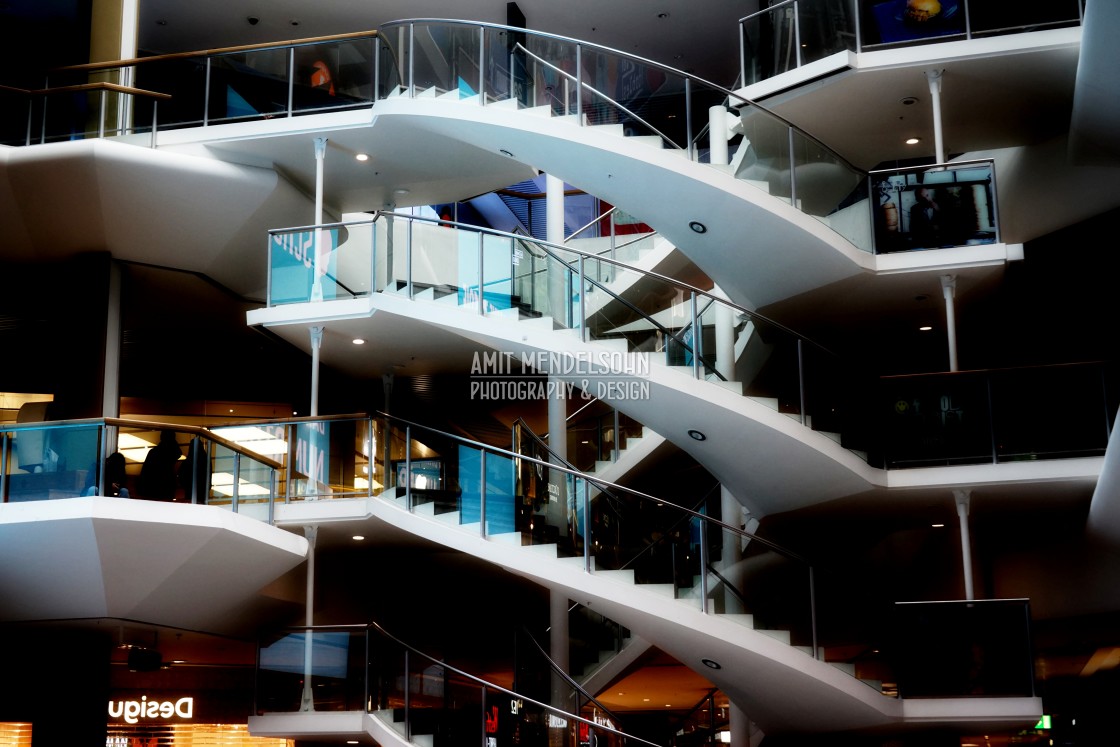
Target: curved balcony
pixel 793 33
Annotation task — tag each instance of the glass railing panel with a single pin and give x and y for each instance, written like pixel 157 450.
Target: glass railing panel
pixel 829 189
pixel 325 667
pixel 460 712
pixel 546 284
pixel 501 496
pixel 647 100
pixel 445 58
pixel 389 70
pixel 651 314
pixel 223 476
pixel 499 262
pixel 78 115
pixel 320 264
pixel 770 42
pixel 963 649
pixel 935 206
pixel 1027 429
pixel 185 80
pixel 992 18
pixel 749 576
pixel 15 115
pixel 333 75
pixel 248 85
pixel 936 420
pixel 549 73
pixel 51 462
pixel 765 162
pixel 768 365
pixel 824 28
pixel 503 75
pixel 716 337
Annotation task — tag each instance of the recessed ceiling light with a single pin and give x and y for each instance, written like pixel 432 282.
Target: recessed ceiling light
pixel 698 227
pixel 913 140
pixel 908 100
pixel 295 21
pixel 401 191
pixel 698 435
pixel 662 15
pixel 362 156
pixel 925 328
pixel 711 664
pixel 358 341
pixel 505 152
pixel 937 526
pixel 161 22
pixel 358 537
pixel 645 700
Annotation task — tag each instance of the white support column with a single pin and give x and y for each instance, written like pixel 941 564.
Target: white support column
pixel 719 154
pixel 949 291
pixel 729 565
pixel 319 266
pixel 739 725
pixel 308 701
pixel 963 499
pixel 725 338
pixel 933 77
pixel 316 343
pixel 559 297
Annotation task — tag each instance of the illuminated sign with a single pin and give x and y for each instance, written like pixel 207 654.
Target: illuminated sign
pixel 134 710
pixel 1043 723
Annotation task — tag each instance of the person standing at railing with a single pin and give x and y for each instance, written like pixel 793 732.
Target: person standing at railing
pixel 158 474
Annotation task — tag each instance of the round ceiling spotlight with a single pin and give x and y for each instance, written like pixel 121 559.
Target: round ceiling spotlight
pixel 908 100
pixel 698 227
pixel 697 435
pixel 711 664
pixel 505 152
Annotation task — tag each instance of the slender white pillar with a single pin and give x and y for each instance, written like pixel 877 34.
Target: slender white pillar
pixel 319 265
pixel 308 700
pixel 963 498
pixel 730 566
pixel 949 291
pixel 740 726
pixel 717 136
pixel 933 77
pixel 316 343
pixel 559 297
pixel 725 340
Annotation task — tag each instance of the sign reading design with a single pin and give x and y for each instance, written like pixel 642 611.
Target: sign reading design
pixel 133 711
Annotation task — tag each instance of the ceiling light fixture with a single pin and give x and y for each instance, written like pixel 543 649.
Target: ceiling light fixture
pixel 937 526
pixel 358 537
pixel 358 341
pixel 925 328
pixel 362 156
pixel 908 100
pixel 505 152
pixel 662 15
pixel 697 435
pixel 698 227
pixel 913 140
pixel 711 664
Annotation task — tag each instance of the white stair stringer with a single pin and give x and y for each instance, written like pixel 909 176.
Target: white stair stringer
pixel 763 675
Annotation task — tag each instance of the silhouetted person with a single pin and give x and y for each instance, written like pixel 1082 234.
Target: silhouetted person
pixel 925 221
pixel 157 476
pixel 114 477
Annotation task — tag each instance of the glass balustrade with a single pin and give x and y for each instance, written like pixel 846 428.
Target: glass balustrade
pixel 493 63
pixel 71 459
pixel 364 668
pixel 790 34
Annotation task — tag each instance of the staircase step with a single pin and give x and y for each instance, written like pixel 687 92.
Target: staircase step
pixel 625 576
pixel 830 435
pixel 451 517
pixel 539 111
pixel 543 322
pixel 845 666
pixel 428 294
pixel 662 590
pixel 512 538
pixel 611 129
pixel 807 650
pixel 505 104
pixel 654 141
pixel 733 386
pixel 578 561
pixel 513 313
pixel 771 402
pixel 615 344
pixel 740 618
pixel 780 635
pixel 429 93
